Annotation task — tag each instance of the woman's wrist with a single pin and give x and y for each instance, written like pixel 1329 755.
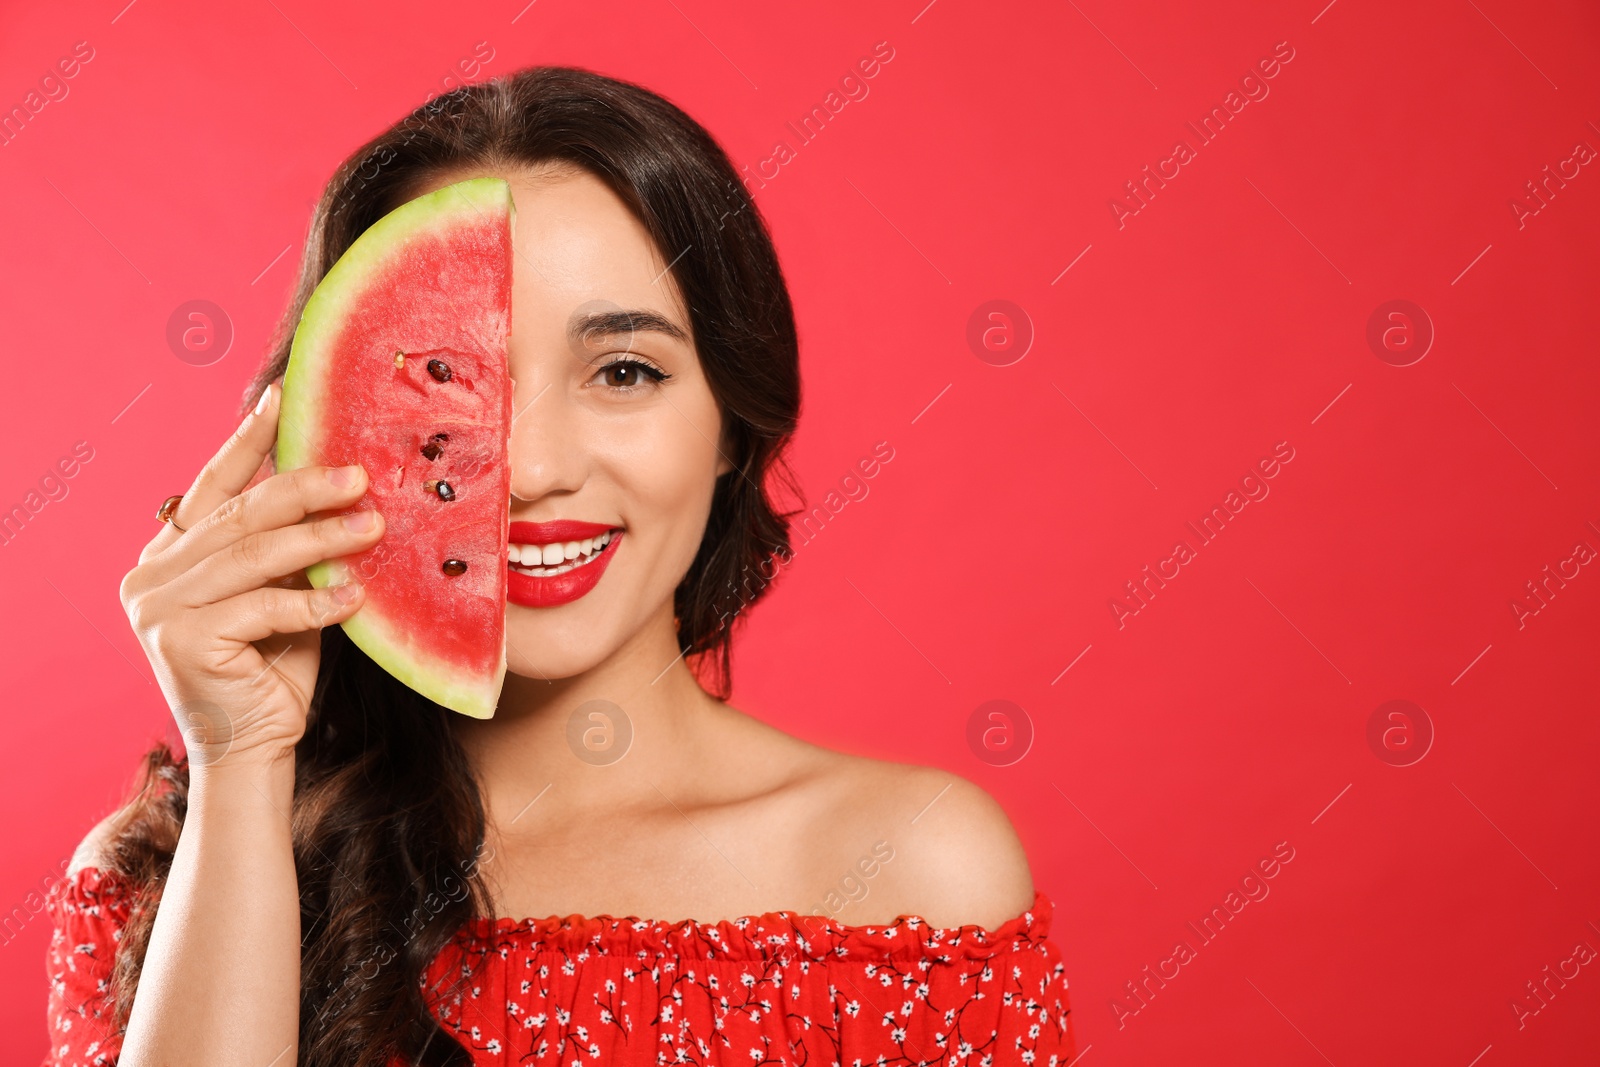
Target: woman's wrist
pixel 267 772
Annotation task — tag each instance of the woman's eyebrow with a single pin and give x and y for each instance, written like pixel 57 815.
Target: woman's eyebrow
pixel 638 320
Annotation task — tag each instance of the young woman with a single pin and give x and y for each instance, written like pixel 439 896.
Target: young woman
pixel 348 874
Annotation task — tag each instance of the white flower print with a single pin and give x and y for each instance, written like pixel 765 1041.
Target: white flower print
pixel 768 990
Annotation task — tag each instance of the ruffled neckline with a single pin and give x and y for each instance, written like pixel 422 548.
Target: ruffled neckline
pixel 765 936
pixel 768 936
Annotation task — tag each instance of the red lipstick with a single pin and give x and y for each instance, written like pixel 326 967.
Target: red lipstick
pixel 532 591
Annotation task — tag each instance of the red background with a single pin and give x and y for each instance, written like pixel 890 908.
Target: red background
pixel 1231 712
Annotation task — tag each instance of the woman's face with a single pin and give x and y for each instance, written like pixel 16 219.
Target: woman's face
pixel 596 438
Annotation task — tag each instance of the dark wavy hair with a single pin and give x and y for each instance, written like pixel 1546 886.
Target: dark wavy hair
pixel 386 820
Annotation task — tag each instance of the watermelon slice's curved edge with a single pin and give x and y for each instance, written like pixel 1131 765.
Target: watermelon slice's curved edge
pixel 385 646
pixel 324 311
pixel 319 325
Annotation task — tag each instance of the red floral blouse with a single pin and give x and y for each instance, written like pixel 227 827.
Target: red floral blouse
pixel 762 990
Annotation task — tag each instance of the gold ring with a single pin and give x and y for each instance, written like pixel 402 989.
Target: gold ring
pixel 169 508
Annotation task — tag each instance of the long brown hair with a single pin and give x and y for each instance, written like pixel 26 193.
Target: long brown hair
pixel 388 821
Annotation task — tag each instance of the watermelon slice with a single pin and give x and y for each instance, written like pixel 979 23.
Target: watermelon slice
pixel 399 364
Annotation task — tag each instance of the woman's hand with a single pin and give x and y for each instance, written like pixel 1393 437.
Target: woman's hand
pixel 223 609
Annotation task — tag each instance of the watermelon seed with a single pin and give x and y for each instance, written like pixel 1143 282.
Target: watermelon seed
pixel 442 488
pixel 399 358
pixel 455 567
pixel 439 369
pixel 435 447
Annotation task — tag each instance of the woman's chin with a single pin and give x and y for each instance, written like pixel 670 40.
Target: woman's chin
pixel 550 663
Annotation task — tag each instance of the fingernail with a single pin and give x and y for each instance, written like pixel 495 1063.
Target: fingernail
pixel 266 394
pixel 360 522
pixel 344 477
pixel 347 593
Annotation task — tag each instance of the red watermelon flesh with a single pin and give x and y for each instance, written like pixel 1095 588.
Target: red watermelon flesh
pixel 399 363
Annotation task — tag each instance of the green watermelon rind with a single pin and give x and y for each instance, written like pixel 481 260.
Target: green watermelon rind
pixel 319 326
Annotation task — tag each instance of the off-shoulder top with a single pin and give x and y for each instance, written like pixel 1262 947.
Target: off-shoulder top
pixel 776 988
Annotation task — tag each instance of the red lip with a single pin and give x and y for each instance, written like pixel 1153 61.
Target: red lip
pixel 547 533
pixel 532 592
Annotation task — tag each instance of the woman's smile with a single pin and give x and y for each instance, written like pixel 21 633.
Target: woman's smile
pixel 556 562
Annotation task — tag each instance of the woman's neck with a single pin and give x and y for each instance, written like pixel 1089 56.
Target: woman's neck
pixel 612 736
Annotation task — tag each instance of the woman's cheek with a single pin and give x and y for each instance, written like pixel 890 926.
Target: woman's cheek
pixel 679 490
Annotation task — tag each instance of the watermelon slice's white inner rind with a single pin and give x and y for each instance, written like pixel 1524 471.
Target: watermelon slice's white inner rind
pixel 431 280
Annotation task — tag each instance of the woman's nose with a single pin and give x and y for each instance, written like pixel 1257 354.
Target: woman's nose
pixel 546 454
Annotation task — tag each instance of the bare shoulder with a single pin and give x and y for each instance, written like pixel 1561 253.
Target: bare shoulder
pixel 865 840
pixel 951 854
pixel 95 850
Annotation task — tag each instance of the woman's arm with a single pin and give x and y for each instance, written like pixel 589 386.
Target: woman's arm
pixel 221 978
pixel 237 656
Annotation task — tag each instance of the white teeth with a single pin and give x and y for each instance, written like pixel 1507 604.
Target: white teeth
pixel 547 561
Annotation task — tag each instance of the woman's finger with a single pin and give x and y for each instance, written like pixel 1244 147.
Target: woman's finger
pixel 258 558
pixel 280 501
pixel 226 473
pixel 260 613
